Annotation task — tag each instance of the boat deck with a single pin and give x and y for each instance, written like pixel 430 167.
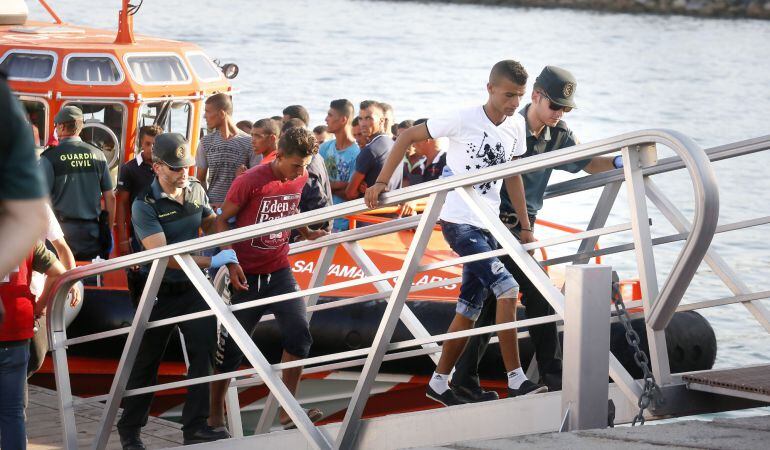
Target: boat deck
pixel 44 425
pixel 746 382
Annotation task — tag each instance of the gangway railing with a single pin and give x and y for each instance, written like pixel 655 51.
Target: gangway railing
pixel 638 151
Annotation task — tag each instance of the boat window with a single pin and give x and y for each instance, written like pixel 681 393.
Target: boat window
pixel 36 114
pixel 203 67
pixel 157 69
pixel 28 66
pixel 172 116
pixel 92 69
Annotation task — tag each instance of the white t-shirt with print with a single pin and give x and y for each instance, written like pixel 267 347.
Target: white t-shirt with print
pixel 476 143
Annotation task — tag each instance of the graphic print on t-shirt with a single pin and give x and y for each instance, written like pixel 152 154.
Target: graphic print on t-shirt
pixel 272 208
pixel 484 155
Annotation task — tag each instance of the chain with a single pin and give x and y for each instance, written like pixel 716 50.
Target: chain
pixel 651 391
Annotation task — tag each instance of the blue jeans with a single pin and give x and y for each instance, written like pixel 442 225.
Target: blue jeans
pixel 479 277
pixel 13 380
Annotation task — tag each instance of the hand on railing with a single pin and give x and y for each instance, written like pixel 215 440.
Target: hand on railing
pixel 372 195
pixel 407 209
pixel 525 237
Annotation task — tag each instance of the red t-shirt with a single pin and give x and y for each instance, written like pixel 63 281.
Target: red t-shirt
pixel 262 198
pixel 18 302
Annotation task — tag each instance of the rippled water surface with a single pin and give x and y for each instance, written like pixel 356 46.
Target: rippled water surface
pixel 706 78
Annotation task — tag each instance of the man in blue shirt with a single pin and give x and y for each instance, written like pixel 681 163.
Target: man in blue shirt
pixel 340 153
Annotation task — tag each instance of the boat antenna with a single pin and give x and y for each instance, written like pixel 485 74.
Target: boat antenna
pixel 50 10
pixel 126 23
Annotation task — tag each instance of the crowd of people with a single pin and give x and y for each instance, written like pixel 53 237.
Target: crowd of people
pixel 255 172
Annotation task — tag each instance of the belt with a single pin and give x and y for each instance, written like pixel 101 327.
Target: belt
pixel 73 220
pixel 9 344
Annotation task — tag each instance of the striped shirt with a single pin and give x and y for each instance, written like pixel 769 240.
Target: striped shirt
pixel 222 158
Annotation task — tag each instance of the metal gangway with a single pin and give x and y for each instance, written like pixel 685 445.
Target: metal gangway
pixel 586 322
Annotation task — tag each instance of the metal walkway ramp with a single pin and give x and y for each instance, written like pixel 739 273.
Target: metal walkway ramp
pixel 752 383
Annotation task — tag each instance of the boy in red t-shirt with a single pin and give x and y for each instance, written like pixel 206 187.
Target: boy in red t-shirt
pixel 263 193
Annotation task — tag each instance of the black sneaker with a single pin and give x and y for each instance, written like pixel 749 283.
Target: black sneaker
pixel 473 394
pixel 552 380
pixel 131 440
pixel 448 398
pixel 206 433
pixel 527 388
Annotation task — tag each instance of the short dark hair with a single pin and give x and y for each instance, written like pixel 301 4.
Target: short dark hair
pixel 297 112
pixel 222 102
pixel 149 130
pixel 369 103
pixel 244 123
pixel 292 123
pixel 419 121
pixel 510 70
pixel 408 123
pixel 278 118
pixel 320 129
pixel 354 123
pixel 344 107
pixel 269 125
pixel 297 141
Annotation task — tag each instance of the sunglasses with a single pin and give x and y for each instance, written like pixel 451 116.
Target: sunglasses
pixel 176 169
pixel 554 107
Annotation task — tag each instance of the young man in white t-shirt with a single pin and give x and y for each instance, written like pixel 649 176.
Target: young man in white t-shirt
pixel 479 137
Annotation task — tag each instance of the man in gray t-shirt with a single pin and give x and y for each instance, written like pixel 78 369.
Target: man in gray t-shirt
pixel 223 152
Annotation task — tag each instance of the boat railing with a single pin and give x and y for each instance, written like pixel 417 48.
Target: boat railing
pixel 639 154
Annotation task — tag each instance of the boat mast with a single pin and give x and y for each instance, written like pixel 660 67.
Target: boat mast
pixel 50 10
pixel 126 23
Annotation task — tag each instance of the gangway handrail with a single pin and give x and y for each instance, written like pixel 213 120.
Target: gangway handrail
pixel 631 144
pixel 698 166
pixel 664 165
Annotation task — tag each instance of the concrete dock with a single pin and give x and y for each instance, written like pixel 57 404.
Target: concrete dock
pixel 44 425
pixel 749 433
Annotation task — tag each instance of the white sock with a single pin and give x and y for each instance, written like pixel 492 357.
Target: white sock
pixel 516 377
pixel 439 382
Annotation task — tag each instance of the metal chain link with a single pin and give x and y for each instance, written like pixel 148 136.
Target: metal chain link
pixel 651 391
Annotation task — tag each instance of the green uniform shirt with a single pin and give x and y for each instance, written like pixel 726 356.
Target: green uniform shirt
pixel 550 139
pixel 155 212
pixel 77 175
pixel 20 177
pixel 42 258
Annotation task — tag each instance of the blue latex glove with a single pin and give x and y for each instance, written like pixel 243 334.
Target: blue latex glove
pixel 617 162
pixel 222 258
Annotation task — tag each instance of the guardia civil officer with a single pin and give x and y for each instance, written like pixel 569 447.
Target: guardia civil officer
pixel 78 179
pixel 171 210
pixel 552 97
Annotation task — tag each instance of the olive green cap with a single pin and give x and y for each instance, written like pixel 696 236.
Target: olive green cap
pixel 68 114
pixel 173 149
pixel 558 84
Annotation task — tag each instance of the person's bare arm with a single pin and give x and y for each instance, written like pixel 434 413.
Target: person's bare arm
pixel 22 222
pixel 351 191
pixel 109 203
pixel 600 164
pixel 208 224
pixel 405 140
pixel 515 187
pixel 122 209
pixel 200 174
pixel 64 252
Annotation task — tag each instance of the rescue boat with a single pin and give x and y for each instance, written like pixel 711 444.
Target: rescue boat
pixel 123 81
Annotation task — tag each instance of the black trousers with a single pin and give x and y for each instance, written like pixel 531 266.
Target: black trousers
pixel 200 341
pixel 545 337
pixel 83 238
